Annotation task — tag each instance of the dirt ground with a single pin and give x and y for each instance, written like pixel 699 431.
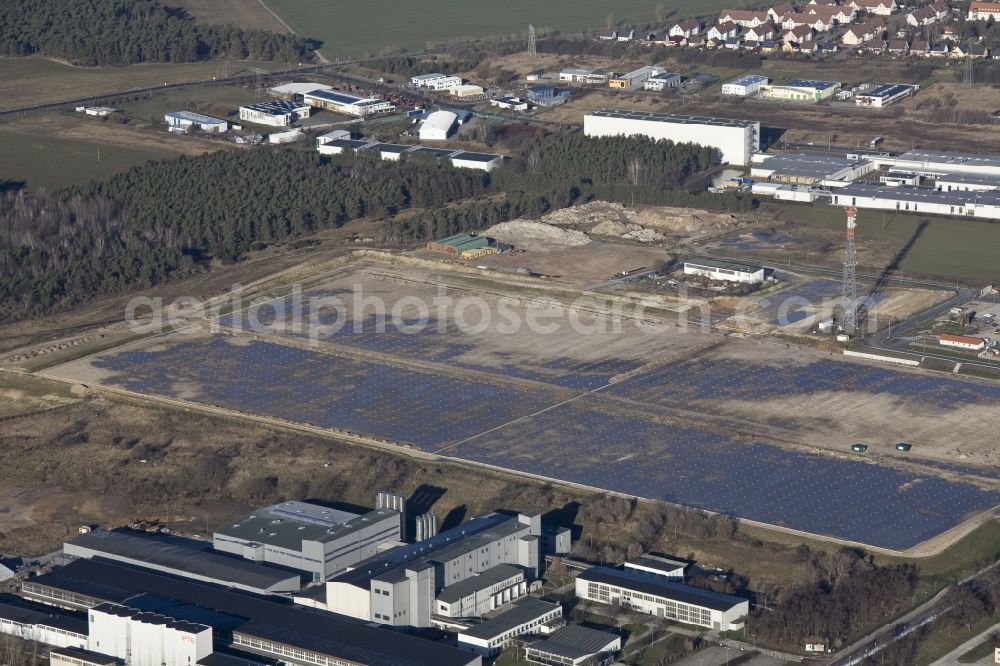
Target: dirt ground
pixel 244 13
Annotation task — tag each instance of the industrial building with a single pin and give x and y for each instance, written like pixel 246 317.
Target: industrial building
pixel 726 271
pixel 237 620
pixel 512 103
pixel 295 91
pixel 460 244
pixel 147 638
pixel 437 126
pixel 400 586
pixel 662 567
pixel 634 78
pixel 529 615
pixel 422 80
pixel 736 140
pixel 585 76
pixel 394 151
pixel 905 198
pixel 481 161
pixel 42 624
pixel 884 95
pixel 80 657
pixel 443 83
pixel 467 90
pixel 961 342
pixel 309 537
pixel 276 113
pixel 186 558
pixel 574 645
pixel 483 593
pixel 673 601
pixel 809 168
pixel 341 102
pixel 182 121
pixel 800 90
pixel 745 86
pixel 338 146
pixel 662 81
pixel 946 162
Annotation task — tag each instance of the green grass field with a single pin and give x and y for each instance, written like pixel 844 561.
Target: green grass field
pixel 947 247
pixel 50 163
pixel 358 27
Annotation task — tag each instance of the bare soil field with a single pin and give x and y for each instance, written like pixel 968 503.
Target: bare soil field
pixel 243 13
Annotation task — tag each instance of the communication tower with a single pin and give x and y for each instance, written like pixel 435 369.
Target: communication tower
pixel 849 301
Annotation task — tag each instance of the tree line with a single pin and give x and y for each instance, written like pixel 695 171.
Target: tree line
pixel 126 32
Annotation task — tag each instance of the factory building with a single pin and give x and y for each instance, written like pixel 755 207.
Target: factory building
pixel 634 78
pixel 526 616
pixel 673 601
pixel 884 95
pixel 277 630
pixel 662 81
pixel 308 537
pixel 145 638
pixel 186 558
pixel 905 198
pixel 437 126
pixel 512 103
pixel 481 161
pixel 467 90
pixel 182 121
pixel 295 91
pixel 338 146
pixel 726 271
pixel 400 586
pixel 946 162
pixel 744 86
pixel 809 168
pixel 961 342
pixel 80 657
pixel 467 246
pixel 965 182
pixel 341 102
pixel 575 645
pixel 484 592
pixel 41 624
pixel 800 90
pixel 736 140
pixel 584 76
pixel 277 113
pixel 664 568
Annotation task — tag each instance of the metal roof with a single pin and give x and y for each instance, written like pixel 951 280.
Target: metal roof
pixel 492 576
pixel 817 165
pixel 635 581
pixel 476 157
pixel 267 618
pixel 440 120
pixel 918 195
pixel 522 611
pixel 184 556
pixel 748 80
pixel 336 97
pixel 810 83
pixel 86 656
pixel 195 117
pixel 575 642
pixel 390 147
pixel 887 90
pixel 286 527
pixel 728 265
pixel 23 612
pixel 675 118
pixel 275 107
pixel 666 564
pixel 942 157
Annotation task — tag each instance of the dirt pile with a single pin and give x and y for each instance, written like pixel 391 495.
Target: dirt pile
pixel 601 218
pixel 528 232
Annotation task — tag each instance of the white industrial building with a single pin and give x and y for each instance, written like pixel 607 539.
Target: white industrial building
pixel 309 537
pixel 529 615
pixel 512 103
pixel 341 102
pixel 444 83
pixel 401 586
pixel 810 168
pixel 634 78
pixel 745 86
pixel 33 622
pixel 727 271
pixel 662 567
pixel 482 593
pixel 736 140
pixel 481 161
pixel 467 90
pixel 296 90
pixel 907 198
pixel 662 81
pixel 884 95
pixel 672 601
pixel 182 121
pixel 437 126
pixel 961 342
pixel 422 80
pixel 146 638
pixel 277 113
pixel 574 645
pixel 577 75
pixel 945 162
pixel 287 136
pixel 337 146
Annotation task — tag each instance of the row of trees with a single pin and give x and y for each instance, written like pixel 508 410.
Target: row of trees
pixel 125 32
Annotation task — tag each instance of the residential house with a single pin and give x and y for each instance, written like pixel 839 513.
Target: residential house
pixel 875 46
pixel 696 42
pixel 745 18
pixel 822 3
pixel 760 33
pixel 984 11
pixel 685 28
pixel 626 37
pixel 677 40
pixel 877 7
pixel 857 35
pixel 919 47
pixel 653 38
pixel 840 14
pixel 975 51
pixel 918 18
pixel 781 10
pixel 897 47
pixel 768 46
pixel 939 50
pixel 789 21
pixel 820 23
pixel 941 9
pixel 827 46
pixel 798 35
pixel 733 44
pixel 723 31
pixel 807 47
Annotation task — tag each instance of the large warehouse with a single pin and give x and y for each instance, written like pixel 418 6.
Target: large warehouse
pixel 736 140
pixel 276 113
pixel 800 90
pixel 673 601
pixel 907 198
pixel 438 126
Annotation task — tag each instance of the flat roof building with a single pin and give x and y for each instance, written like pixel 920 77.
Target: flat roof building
pixel 673 601
pixel 736 140
pixel 947 161
pixel 529 615
pixel 884 95
pixel 634 78
pixel 744 85
pixel 809 168
pixel 662 81
pixel 574 645
pixel 481 161
pixel 662 567
pixel 800 90
pixel 294 91
pixel 728 271
pixel 907 198
pixel 42 624
pixel 309 537
pixel 181 121
pixel 276 113
pixel 482 593
pixel 341 102
pixel 186 558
